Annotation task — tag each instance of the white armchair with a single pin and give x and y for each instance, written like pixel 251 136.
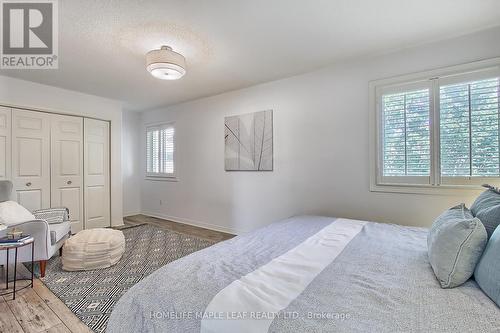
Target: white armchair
pixel 48 237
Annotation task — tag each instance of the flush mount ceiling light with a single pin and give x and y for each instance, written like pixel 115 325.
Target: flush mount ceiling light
pixel 165 64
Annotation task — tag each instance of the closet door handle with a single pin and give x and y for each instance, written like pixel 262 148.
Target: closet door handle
pixel 69 182
pixel 28 184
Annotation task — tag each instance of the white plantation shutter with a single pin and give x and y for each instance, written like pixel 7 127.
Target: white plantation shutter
pixel 405 134
pixel 438 130
pixel 160 144
pixel 469 129
pixel 167 150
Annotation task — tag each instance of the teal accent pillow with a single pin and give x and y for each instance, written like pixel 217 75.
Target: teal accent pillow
pixel 487 272
pixel 455 243
pixel 487 209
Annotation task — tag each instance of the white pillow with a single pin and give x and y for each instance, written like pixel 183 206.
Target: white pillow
pixel 12 213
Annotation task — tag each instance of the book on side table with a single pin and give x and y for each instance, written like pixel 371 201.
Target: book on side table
pixel 21 240
pixel 9 243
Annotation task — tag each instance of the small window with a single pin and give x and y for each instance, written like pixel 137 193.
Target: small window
pixel 439 130
pixel 160 151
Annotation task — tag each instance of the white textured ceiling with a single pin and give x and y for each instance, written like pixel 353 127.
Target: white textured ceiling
pixel 230 44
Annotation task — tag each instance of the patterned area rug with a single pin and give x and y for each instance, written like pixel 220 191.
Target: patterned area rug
pixel 91 295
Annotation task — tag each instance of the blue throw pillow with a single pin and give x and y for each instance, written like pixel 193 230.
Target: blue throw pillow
pixel 487 272
pixel 455 243
pixel 487 209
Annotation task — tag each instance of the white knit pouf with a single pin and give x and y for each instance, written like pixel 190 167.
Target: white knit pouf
pixel 93 249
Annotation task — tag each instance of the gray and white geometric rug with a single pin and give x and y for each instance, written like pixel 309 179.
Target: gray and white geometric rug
pixel 91 295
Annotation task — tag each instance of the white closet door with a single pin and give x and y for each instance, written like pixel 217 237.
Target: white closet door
pixel 96 173
pixel 67 167
pixel 5 145
pixel 31 158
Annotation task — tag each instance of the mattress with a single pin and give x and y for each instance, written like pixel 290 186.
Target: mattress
pixel 306 274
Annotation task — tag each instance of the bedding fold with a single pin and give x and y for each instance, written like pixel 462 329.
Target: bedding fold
pixel 270 288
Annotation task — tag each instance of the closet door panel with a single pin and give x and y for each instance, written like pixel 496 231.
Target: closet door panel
pixel 72 198
pixel 31 158
pixel 3 158
pixel 67 167
pixel 96 200
pixel 30 199
pixel 5 145
pixel 96 170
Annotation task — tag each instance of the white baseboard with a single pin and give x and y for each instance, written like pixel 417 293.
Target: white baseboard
pixel 205 225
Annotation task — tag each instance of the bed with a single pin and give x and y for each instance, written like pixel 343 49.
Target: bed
pixel 306 274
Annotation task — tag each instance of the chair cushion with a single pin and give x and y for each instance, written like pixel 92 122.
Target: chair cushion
pixel 12 213
pixel 93 249
pixel 455 243
pixel 487 209
pixel 487 273
pixel 58 231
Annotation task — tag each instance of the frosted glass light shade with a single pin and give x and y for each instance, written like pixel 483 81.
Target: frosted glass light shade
pixel 165 64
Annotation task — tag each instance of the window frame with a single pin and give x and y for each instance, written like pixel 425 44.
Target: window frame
pixel 434 79
pixel 394 89
pixel 159 175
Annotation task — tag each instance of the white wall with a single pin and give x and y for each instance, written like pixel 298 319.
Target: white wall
pixel 320 143
pixel 131 166
pixel 25 94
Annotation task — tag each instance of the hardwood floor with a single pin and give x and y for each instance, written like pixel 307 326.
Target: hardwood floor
pixel 39 310
pixel 212 235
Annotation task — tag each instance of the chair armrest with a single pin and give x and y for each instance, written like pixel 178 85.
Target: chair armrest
pixel 52 215
pixel 39 230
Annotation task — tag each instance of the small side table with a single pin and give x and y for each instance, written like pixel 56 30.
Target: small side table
pixel 30 241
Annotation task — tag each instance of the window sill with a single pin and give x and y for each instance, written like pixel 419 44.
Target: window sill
pixel 162 178
pixel 427 189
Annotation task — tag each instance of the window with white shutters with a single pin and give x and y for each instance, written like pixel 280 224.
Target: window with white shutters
pixel 406 133
pixel 160 151
pixel 469 129
pixel 439 131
